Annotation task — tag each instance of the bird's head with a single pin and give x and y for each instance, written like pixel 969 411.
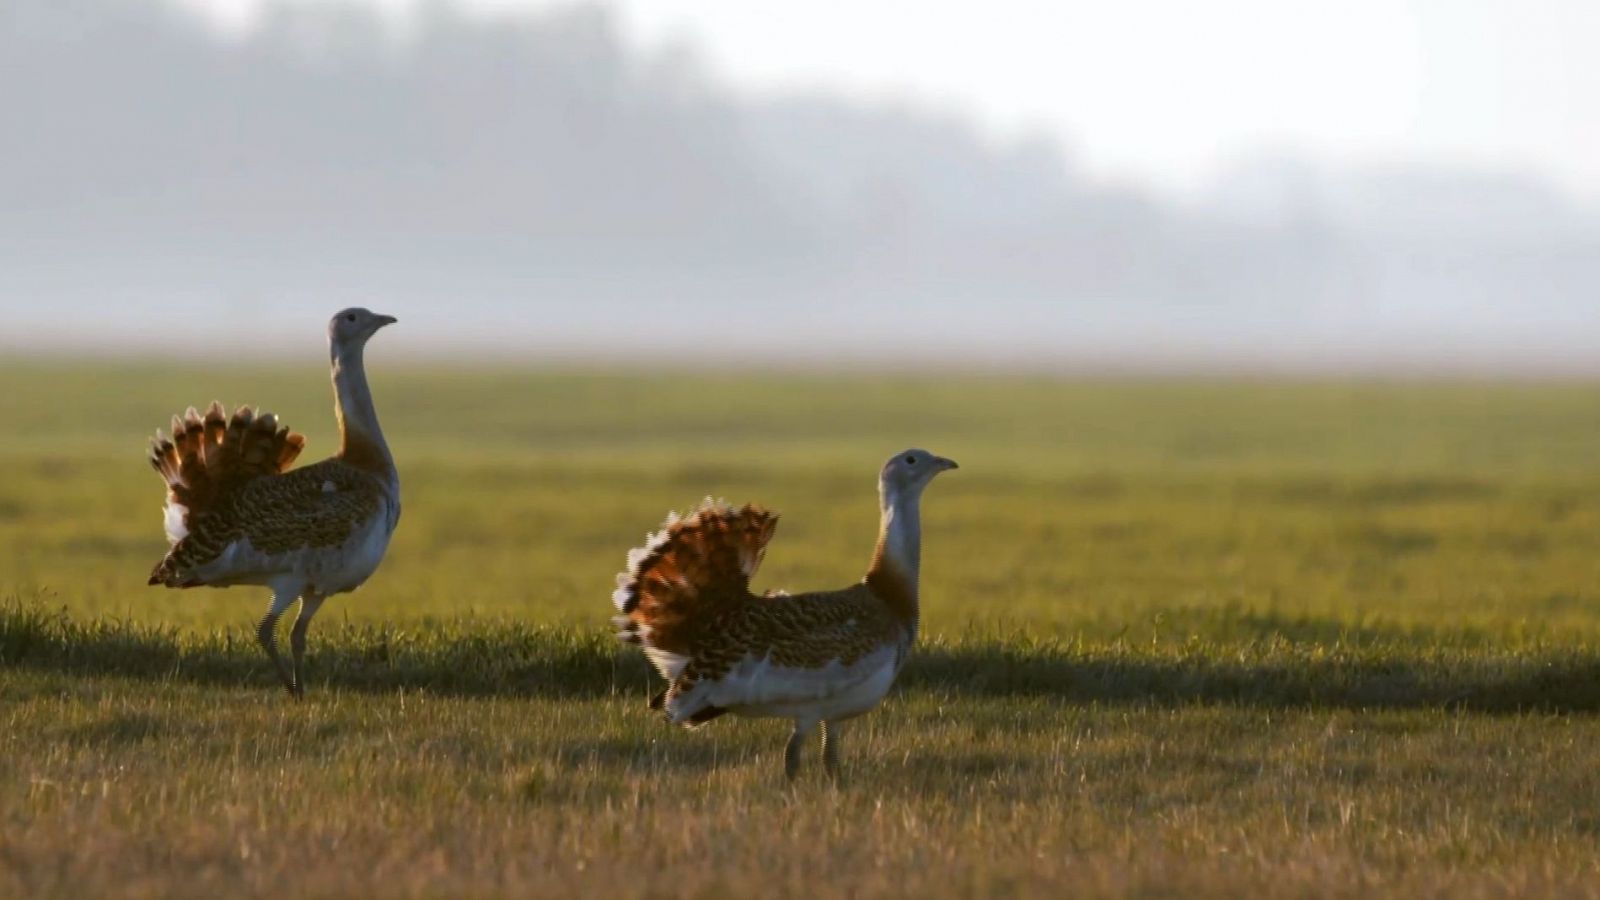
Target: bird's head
pixel 350 328
pixel 909 471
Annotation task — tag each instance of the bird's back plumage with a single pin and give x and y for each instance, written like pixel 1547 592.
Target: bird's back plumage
pixel 208 456
pixel 693 570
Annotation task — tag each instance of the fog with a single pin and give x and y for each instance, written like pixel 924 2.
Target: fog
pixel 539 188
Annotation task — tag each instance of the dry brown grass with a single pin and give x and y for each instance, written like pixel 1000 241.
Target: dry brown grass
pixel 145 789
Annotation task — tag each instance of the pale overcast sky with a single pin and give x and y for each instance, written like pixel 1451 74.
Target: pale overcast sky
pixel 1170 92
pixel 1263 184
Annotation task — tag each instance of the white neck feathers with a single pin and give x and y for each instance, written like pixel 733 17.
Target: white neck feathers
pixel 898 559
pixel 361 438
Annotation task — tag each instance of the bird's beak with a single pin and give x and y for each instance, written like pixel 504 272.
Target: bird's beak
pixel 383 320
pixel 945 464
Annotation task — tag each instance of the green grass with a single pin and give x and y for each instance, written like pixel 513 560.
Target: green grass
pixel 1217 637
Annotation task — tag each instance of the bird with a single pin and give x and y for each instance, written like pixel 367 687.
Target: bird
pixel 237 515
pixel 817 659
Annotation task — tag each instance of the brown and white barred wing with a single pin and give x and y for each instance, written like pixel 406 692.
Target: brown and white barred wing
pixel 254 527
pixel 784 653
pixel 688 575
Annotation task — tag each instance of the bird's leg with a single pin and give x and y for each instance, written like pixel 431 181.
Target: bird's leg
pixel 309 604
pixel 797 742
pixel 831 732
pixel 267 634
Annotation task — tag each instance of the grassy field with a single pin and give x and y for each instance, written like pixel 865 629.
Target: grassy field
pixel 1216 637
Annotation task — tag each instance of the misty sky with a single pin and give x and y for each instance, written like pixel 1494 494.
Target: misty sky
pixel 1354 186
pixel 1171 92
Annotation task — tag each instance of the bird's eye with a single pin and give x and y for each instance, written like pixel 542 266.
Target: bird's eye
pixel 349 317
pixel 911 460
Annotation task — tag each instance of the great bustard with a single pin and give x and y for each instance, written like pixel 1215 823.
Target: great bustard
pixel 817 658
pixel 235 516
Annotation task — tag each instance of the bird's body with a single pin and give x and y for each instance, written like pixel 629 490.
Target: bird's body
pixel 825 655
pixel 816 658
pixel 236 515
pixel 325 526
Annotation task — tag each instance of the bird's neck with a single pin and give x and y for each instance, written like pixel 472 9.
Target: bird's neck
pixel 361 442
pixel 898 557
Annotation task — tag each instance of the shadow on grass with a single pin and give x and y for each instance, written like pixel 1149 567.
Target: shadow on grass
pixel 1247 659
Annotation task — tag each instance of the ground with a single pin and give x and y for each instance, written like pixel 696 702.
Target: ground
pixel 1216 637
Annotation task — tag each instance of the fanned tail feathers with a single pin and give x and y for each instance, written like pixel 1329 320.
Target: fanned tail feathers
pixel 207 456
pixel 693 568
